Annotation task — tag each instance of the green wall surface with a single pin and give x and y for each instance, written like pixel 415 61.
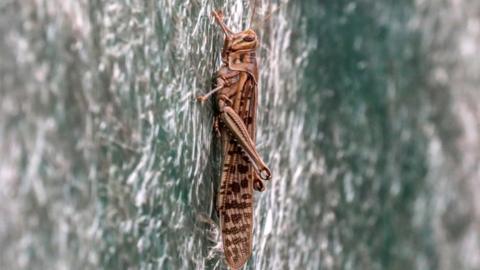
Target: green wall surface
pixel 368 119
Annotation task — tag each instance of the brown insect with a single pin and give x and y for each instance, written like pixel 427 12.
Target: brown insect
pixel 243 169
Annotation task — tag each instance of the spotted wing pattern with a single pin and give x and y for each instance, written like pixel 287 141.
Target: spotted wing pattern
pixel 236 190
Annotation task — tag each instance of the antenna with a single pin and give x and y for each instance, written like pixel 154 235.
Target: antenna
pixel 266 17
pixel 253 13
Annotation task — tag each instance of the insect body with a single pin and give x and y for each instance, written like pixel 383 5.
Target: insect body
pixel 243 169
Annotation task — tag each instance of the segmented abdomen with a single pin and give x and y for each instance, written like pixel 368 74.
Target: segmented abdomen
pixel 236 190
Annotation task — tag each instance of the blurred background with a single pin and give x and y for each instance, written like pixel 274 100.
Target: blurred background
pixel 369 118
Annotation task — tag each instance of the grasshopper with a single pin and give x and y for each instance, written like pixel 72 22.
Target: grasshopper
pixel 243 169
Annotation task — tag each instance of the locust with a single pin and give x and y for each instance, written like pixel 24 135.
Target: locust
pixel 243 169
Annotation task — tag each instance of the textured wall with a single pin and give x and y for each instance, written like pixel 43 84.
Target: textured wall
pixel 368 119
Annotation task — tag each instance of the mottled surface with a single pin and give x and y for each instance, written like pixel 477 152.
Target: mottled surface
pixel 368 118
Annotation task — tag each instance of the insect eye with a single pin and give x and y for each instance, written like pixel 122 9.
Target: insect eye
pixel 249 38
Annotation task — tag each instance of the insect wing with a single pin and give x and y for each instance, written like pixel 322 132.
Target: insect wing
pixel 236 211
pixel 236 191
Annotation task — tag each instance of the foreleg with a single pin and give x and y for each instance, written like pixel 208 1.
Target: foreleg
pixel 205 97
pixel 223 77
